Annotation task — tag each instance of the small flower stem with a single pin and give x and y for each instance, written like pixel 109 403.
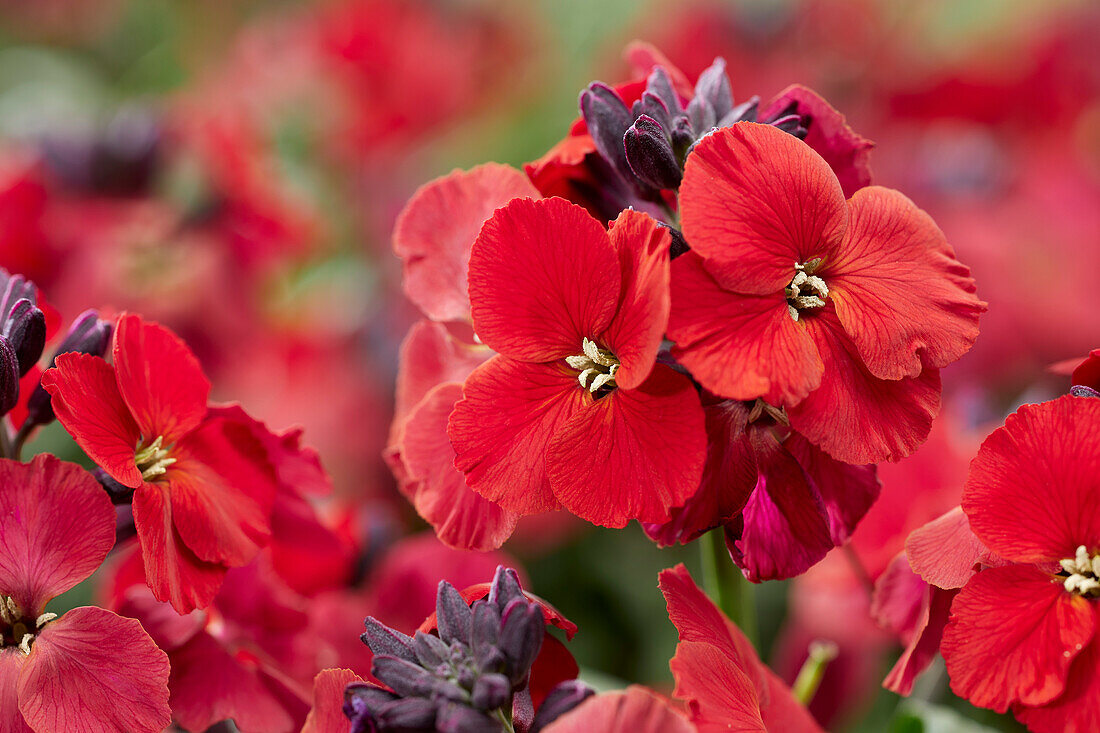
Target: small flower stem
pixel 6 448
pixel 813 669
pixel 859 568
pixel 725 584
pixel 21 436
pixel 505 721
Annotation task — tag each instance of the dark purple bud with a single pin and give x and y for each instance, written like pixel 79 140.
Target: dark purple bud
pixel 14 288
pixel 794 125
pixel 658 83
pixel 702 116
pixel 505 588
pixel 405 678
pixel 410 714
pixel 744 112
pixel 491 691
pixel 88 334
pixel 9 378
pixel 361 701
pixel 383 640
pixel 559 701
pixel 679 245
pixel 649 154
pixel 430 650
pixel 120 494
pixel 25 330
pixel 607 118
pixel 452 614
pixel 1080 390
pixel 683 137
pixel 522 629
pixel 485 629
pixel 714 87
pixel 456 718
pixel 651 106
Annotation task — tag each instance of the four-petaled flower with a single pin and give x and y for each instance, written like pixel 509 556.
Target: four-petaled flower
pixel 203 489
pixel 574 410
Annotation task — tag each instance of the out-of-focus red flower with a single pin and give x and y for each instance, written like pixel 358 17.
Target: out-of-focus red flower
pixel 24 245
pixel 1023 634
pixel 202 485
pixel 246 657
pixel 327 712
pixel 717 671
pixel 89 667
pixel 791 295
pixel 574 411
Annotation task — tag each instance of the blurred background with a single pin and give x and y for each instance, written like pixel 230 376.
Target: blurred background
pixel 233 170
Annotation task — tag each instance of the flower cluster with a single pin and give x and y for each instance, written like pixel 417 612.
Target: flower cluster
pixel 710 320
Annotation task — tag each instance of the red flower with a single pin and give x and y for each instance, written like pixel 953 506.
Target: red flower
pixel 89 668
pixel 841 312
pixel 633 710
pixel 575 411
pixel 717 671
pixel 1023 635
pixel 203 488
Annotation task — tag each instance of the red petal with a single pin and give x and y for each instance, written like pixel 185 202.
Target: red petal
pixel 431 356
pixel 720 694
pixel 503 425
pixel 436 229
pixel 898 290
pixel 1012 635
pixel 306 553
pixel 754 202
pixel 1087 372
pixel 899 599
pixel 856 417
pixel 697 619
pixel 160 379
pixel 783 712
pixel 543 277
pixel 729 478
pixel 846 152
pixel 11 664
pixel 924 644
pixel 85 397
pixel 56 527
pixel 328 701
pixel 27 384
pixel 208 686
pixel 638 327
pixel 1031 493
pixel 1076 709
pixel 173 571
pixel 739 346
pixel 846 491
pixel 222 490
pixel 92 669
pixel 634 454
pixel 636 710
pixel 461 517
pixel 553 665
pixel 945 551
pixel 784 528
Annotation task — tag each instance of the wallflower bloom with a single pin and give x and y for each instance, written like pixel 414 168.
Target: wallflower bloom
pixel 202 487
pixel 88 669
pixel 1023 635
pixel 841 312
pixel 574 411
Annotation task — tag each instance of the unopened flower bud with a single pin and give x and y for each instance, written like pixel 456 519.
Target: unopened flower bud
pixel 491 691
pixel 9 377
pixel 452 614
pixel 564 697
pixel 382 639
pixel 607 119
pixel 650 156
pixel 454 718
pixel 522 629
pixel 25 330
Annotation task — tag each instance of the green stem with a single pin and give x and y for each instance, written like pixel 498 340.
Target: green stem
pixel 505 721
pixel 20 438
pixel 5 439
pixel 813 669
pixel 726 586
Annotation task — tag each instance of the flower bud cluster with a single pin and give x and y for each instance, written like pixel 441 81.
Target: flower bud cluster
pixel 464 679
pixel 22 335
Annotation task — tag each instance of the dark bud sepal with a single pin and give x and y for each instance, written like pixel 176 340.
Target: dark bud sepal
pixel 650 155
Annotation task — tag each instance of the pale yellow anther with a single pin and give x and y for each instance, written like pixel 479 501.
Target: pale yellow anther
pixel 9 610
pixel 806 289
pixel 152 460
pixel 597 366
pixel 1083 573
pixel 25 644
pixel 44 619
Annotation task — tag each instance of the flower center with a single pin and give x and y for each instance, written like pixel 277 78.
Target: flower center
pixel 806 290
pixel 152 460
pixel 597 367
pixel 15 629
pixel 1082 573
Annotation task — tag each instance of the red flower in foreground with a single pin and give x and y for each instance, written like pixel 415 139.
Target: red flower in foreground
pixel 88 669
pixel 574 411
pixel 202 487
pixel 841 312
pixel 634 710
pixel 717 671
pixel 1024 635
